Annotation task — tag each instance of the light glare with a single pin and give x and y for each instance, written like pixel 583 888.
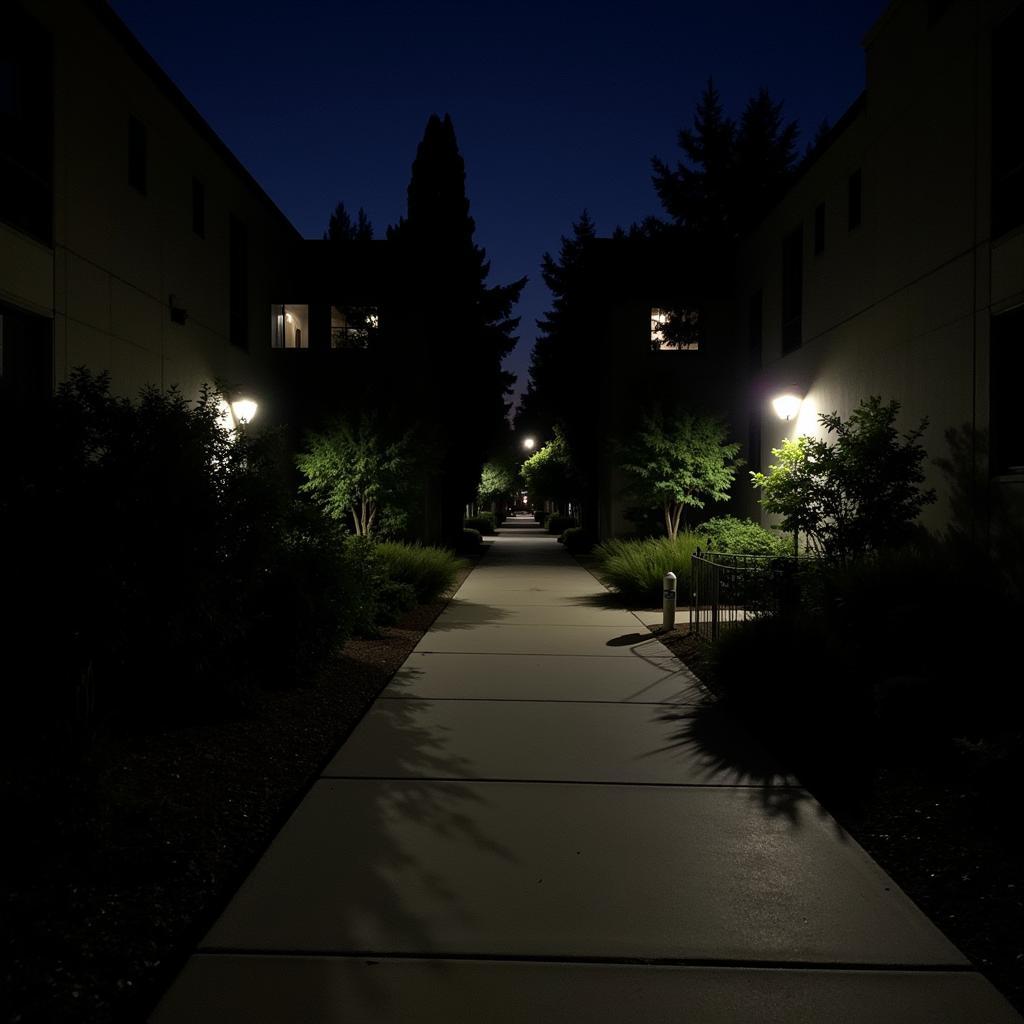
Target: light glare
pixel 786 406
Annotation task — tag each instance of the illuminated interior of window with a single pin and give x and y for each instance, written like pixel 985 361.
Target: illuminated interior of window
pixel 352 326
pixel 289 326
pixel 675 330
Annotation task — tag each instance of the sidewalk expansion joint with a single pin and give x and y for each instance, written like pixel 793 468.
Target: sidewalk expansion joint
pixel 757 787
pixel 706 962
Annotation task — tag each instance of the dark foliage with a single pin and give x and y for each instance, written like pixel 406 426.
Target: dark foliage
pixel 559 524
pixel 160 565
pixel 731 173
pixel 341 227
pixel 564 367
pixel 483 522
pixel 452 330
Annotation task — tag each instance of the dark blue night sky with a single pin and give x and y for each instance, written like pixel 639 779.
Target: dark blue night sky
pixel 557 106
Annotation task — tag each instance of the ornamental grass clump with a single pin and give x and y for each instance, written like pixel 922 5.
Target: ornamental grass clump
pixel 429 571
pixel 635 569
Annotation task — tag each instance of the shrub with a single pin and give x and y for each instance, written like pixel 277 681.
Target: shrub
pixel 635 569
pixel 429 571
pixel 577 541
pixel 185 575
pixel 856 494
pixel 471 542
pixel 483 522
pixel 742 537
pixel 558 524
pixel 541 517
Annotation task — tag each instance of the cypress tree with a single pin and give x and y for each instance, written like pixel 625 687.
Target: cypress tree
pixel 452 330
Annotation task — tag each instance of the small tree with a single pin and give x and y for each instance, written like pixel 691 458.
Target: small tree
pixel 679 462
pixel 497 482
pixel 548 473
pixel 856 494
pixel 353 470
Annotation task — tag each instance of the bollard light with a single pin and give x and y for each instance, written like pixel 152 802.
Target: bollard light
pixel 668 616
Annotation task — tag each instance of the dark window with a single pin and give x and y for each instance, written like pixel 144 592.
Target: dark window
pixel 238 273
pixel 755 329
pixel 819 229
pixel 198 208
pixel 26 124
pixel 853 203
pixel 137 155
pixel 26 353
pixel 1007 369
pixel 1007 118
pixel 792 289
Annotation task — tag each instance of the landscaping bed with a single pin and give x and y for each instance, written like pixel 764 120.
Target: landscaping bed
pixel 940 836
pixel 115 870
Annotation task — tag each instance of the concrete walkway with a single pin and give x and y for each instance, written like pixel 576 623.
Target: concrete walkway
pixel 536 823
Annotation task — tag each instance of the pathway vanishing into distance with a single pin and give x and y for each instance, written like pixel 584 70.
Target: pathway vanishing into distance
pixel 536 822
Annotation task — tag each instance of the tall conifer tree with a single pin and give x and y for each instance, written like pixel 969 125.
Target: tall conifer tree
pixel 453 330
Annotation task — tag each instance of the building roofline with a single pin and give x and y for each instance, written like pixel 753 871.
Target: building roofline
pixel 106 15
pixel 879 23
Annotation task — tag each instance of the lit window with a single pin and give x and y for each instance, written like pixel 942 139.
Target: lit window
pixel 289 326
pixel 675 330
pixel 353 326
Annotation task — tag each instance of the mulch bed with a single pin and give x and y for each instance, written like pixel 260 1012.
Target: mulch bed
pixel 114 872
pixel 960 858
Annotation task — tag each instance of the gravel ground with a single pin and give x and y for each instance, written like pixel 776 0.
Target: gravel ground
pixel 113 873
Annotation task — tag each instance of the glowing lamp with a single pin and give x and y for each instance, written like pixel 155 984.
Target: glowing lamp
pixel 787 406
pixel 529 443
pixel 244 410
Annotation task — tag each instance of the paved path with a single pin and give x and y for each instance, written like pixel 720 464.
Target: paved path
pixel 536 823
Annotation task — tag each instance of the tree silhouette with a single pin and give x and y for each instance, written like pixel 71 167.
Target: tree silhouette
pixel 451 329
pixel 341 227
pixel 731 173
pixel 564 365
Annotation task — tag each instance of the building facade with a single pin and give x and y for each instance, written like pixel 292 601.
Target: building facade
pixel 894 266
pixel 131 240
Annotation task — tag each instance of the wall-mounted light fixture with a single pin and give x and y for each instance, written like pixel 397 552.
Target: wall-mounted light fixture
pixel 244 410
pixel 787 405
pixel 236 412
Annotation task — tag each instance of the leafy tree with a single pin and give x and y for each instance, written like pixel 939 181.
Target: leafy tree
pixel 548 473
pixel 498 480
pixel 452 330
pixel 679 462
pixel 341 227
pixel 856 494
pixel 353 470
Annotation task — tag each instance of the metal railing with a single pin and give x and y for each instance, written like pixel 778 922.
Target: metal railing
pixel 727 589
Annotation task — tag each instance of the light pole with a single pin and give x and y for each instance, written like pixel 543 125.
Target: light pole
pixel 787 406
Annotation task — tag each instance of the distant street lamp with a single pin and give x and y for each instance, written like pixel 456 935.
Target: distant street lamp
pixel 529 443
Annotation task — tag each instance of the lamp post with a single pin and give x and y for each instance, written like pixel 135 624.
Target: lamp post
pixel 787 406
